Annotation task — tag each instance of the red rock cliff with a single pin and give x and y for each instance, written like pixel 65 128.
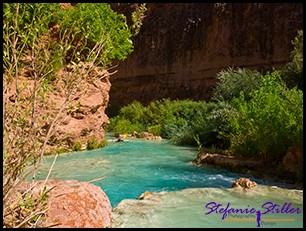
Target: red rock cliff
pixel 182 46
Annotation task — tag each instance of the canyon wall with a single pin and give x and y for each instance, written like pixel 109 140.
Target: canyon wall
pixel 181 47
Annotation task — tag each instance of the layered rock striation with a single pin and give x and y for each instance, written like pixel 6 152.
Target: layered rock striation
pixel 181 47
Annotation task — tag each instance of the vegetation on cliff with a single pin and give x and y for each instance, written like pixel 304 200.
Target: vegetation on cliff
pixel 39 40
pixel 251 114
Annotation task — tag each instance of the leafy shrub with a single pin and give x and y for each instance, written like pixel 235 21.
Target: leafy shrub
pixel 155 129
pixel 182 119
pixel 183 135
pixel 270 122
pixel 62 150
pixel 103 143
pixel 32 20
pixel 137 18
pixel 93 143
pixel 217 125
pixel 124 126
pixel 177 120
pixel 77 146
pixel 22 30
pixel 99 23
pixel 231 82
pixel 159 111
pixel 133 112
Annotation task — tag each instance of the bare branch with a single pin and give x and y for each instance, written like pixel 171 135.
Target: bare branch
pixel 30 217
pixel 97 179
pixel 50 169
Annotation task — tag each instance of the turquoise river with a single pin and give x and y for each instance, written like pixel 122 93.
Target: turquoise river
pixel 129 168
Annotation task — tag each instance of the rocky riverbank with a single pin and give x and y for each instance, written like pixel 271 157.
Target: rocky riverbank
pixel 289 171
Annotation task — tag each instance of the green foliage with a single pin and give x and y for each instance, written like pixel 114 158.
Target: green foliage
pixel 133 112
pixel 31 21
pixel 182 135
pixel 217 125
pixel 103 143
pixel 155 129
pixel 62 150
pixel 197 139
pixel 270 122
pixel 231 82
pixel 32 44
pixel 93 143
pixel 263 122
pixel 97 23
pixel 77 146
pixel 292 73
pixel 297 53
pixel 137 18
pixel 30 205
pixel 23 25
pixel 190 119
pixel 124 126
pixel 88 31
pixel 176 120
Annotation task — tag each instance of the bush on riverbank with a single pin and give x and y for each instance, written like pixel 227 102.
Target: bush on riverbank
pixel 251 115
pixel 93 143
pixel 263 124
pixel 269 123
pixel 176 120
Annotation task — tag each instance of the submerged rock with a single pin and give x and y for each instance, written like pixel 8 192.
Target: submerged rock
pixel 144 195
pixel 244 183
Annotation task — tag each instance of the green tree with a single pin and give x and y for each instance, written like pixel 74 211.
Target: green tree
pixel 87 34
pixel 97 31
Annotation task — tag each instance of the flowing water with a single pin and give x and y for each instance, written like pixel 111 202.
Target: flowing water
pixel 193 208
pixel 129 168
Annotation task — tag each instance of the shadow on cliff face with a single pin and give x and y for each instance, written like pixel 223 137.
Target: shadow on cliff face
pixel 181 47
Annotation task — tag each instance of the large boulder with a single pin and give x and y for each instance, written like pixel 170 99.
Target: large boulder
pixel 74 204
